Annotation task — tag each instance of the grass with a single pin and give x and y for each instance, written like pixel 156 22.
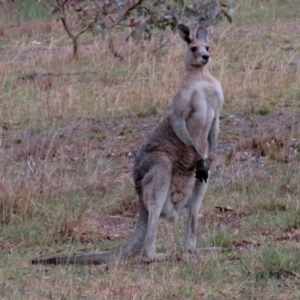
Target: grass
pixel 32 10
pixel 69 129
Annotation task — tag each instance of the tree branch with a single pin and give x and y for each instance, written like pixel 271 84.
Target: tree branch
pixel 63 20
pixel 125 14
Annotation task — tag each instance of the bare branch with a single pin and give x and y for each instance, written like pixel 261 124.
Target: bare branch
pixel 63 3
pixel 96 3
pixel 83 30
pixel 66 27
pixel 125 14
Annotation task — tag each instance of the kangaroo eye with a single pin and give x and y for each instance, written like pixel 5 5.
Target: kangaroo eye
pixel 207 48
pixel 193 49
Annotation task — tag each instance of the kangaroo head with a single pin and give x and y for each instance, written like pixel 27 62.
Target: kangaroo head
pixel 197 54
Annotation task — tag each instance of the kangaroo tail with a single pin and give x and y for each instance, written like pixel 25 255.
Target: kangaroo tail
pixel 133 248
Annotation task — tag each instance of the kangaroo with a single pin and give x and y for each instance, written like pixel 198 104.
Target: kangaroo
pixel 172 167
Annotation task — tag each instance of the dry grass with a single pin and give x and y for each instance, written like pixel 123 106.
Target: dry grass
pixel 69 130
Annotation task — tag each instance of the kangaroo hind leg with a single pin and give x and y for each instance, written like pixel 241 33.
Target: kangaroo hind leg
pixel 155 189
pixel 194 204
pixel 193 207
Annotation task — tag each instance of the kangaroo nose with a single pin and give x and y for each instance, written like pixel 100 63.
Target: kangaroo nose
pixel 205 57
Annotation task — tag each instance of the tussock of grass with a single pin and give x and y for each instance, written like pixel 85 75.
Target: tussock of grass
pixel 267 145
pixel 278 262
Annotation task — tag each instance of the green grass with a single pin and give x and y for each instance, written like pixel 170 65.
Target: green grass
pixel 32 10
pixel 266 12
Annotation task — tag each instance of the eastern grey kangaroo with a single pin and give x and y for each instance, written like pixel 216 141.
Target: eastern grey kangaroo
pixel 172 167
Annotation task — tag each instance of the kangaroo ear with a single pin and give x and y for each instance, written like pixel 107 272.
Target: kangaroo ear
pixel 184 33
pixel 201 33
